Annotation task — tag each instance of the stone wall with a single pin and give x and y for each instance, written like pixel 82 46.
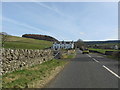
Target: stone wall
pixel 14 59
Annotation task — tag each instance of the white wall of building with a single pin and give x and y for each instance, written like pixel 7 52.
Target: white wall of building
pixel 63 45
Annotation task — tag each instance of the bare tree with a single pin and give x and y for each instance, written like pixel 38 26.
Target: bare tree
pixel 4 38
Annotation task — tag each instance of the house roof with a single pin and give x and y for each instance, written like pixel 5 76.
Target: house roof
pixel 67 42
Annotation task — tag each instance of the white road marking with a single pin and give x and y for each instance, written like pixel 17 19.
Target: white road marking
pixel 88 55
pixel 111 71
pixel 105 67
pixel 95 60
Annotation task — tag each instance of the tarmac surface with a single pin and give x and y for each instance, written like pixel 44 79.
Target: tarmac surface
pixel 88 71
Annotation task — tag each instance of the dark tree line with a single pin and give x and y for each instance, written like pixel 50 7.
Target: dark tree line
pixel 39 37
pixel 80 44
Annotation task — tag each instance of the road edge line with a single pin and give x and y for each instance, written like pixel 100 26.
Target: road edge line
pixel 89 55
pixel 95 60
pixel 111 71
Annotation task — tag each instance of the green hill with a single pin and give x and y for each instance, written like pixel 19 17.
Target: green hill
pixel 26 43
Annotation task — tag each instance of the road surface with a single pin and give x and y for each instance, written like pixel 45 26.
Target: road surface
pixel 88 71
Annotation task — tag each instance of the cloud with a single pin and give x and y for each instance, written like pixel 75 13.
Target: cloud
pixel 50 8
pixel 82 33
pixel 32 28
pixel 24 25
pixel 112 38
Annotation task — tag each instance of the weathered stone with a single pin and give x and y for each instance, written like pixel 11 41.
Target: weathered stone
pixel 14 59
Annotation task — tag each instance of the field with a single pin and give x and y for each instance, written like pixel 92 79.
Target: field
pixel 14 42
pixel 115 56
pixel 102 50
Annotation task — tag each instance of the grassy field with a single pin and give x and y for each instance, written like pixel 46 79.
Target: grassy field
pixel 26 43
pixel 30 76
pixel 102 50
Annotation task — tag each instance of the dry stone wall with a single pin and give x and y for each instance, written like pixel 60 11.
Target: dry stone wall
pixel 14 59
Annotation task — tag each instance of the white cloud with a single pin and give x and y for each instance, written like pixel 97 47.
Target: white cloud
pixel 50 8
pixel 32 28
pixel 24 25
pixel 111 39
pixel 82 33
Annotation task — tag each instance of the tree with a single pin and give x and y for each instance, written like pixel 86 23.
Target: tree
pixel 80 44
pixel 4 38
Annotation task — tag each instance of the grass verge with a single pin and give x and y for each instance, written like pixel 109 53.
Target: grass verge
pixel 34 77
pixel 68 56
pixel 115 57
pixel 72 54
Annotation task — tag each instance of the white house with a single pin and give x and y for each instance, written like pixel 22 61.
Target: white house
pixel 63 44
pixel 115 47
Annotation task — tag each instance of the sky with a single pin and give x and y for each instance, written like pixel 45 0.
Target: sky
pixel 89 21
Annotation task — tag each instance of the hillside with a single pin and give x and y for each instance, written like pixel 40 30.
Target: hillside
pixel 26 43
pixel 103 42
pixel 39 37
pixel 3 33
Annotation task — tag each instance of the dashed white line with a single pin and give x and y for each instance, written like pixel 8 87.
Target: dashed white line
pixel 88 55
pixel 111 71
pixel 105 67
pixel 95 60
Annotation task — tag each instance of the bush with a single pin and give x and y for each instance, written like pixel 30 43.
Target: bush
pixel 116 54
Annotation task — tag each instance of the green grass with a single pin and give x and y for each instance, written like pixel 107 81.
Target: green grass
pixel 102 50
pixel 24 78
pixel 14 42
pixel 32 75
pixel 69 56
pixel 113 57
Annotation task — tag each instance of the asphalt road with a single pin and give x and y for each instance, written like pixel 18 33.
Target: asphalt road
pixel 88 71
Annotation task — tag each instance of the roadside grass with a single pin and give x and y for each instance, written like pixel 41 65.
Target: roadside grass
pixel 65 56
pixel 24 78
pixel 115 57
pixel 15 42
pixel 34 76
pixel 102 50
pixel 69 56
